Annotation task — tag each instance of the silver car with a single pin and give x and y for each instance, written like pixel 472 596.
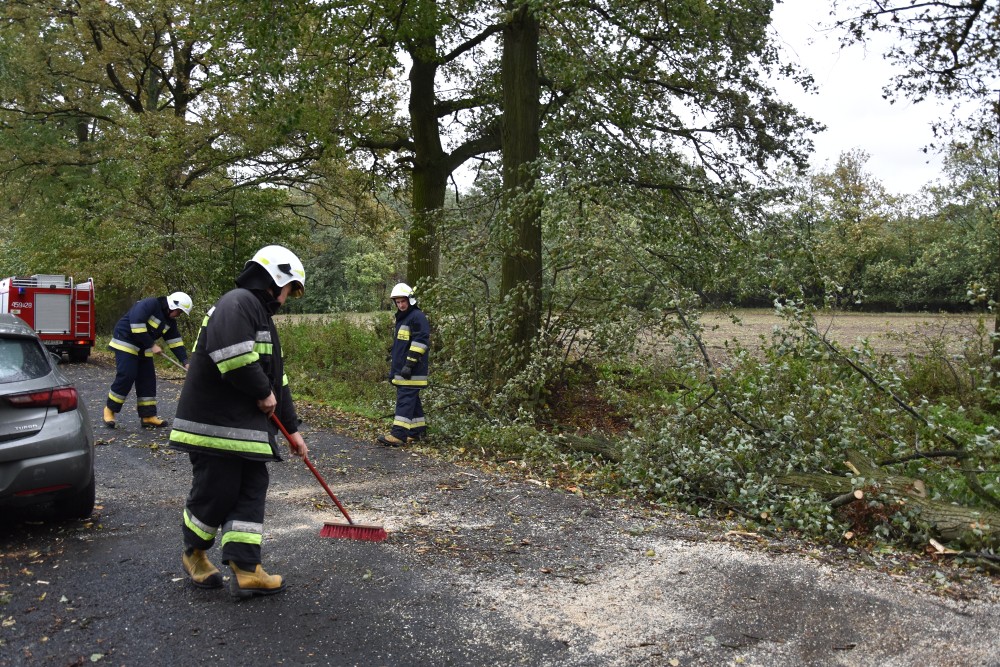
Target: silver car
pixel 46 441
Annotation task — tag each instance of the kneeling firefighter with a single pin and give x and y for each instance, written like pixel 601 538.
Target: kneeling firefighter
pixel 134 342
pixel 235 382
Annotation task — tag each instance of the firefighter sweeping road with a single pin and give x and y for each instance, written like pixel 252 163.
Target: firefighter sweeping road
pixel 478 569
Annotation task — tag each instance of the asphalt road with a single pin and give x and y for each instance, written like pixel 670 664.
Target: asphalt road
pixel 479 569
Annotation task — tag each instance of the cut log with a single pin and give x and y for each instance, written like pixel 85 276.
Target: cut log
pixel 591 445
pixel 956 523
pixel 847 498
pixel 865 468
pixel 952 522
pixel 825 484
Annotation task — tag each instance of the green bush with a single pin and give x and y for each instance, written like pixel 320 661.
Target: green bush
pixel 339 361
pixel 799 406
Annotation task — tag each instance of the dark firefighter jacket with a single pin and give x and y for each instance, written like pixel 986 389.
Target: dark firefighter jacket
pixel 236 361
pixel 145 322
pixel 410 344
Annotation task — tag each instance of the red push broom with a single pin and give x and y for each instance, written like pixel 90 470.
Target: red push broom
pixel 349 530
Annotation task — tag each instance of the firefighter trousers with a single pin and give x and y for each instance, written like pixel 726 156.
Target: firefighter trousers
pixel 134 370
pixel 226 500
pixel 409 419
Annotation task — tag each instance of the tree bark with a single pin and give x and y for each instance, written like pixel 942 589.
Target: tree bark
pixel 963 525
pixel 594 444
pixel 521 266
pixel 430 173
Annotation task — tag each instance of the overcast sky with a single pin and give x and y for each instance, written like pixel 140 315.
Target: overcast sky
pixel 849 102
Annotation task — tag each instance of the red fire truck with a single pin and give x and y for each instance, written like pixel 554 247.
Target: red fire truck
pixel 59 309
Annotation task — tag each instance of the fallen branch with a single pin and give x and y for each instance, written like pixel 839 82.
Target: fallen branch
pixel 971 478
pixel 964 525
pixel 847 498
pixel 991 560
pixel 940 453
pixel 591 445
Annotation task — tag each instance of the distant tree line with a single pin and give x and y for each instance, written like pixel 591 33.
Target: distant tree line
pixel 842 240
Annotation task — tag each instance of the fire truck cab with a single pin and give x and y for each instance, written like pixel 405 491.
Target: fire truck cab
pixel 58 308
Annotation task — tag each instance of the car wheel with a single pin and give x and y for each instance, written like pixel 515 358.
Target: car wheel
pixel 80 505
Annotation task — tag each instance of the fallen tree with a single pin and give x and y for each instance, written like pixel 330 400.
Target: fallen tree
pixel 965 526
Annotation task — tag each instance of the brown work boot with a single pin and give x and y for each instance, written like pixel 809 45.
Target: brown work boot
pixel 245 584
pixel 109 417
pixel 153 422
pixel 200 570
pixel 390 440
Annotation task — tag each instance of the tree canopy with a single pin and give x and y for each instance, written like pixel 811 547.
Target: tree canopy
pixel 149 125
pixel 947 50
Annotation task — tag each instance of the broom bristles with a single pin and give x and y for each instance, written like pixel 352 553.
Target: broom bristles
pixel 354 531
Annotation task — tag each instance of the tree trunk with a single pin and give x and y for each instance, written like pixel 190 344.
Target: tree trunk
pixel 424 252
pixel 955 523
pixel 430 173
pixel 521 267
pixel 995 359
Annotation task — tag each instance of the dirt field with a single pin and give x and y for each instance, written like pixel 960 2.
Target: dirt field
pixel 888 333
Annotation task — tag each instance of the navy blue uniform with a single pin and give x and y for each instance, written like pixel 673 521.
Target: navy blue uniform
pixel 133 339
pixel 410 347
pixel 235 363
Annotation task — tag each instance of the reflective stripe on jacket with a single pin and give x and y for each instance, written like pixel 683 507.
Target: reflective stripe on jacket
pixel 236 362
pixel 410 344
pixel 146 321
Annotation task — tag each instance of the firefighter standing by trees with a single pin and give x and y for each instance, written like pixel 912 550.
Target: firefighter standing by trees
pixel 235 382
pixel 134 342
pixel 408 367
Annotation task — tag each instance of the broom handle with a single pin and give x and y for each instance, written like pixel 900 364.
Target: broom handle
pixel 288 437
pixel 312 468
pixel 175 363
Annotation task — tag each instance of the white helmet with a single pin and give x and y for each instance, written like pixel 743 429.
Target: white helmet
pixel 402 289
pixel 179 301
pixel 283 266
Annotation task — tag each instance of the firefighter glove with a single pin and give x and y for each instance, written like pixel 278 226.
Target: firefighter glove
pixel 406 372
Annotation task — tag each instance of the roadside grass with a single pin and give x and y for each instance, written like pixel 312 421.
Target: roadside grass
pixel 340 362
pixel 335 361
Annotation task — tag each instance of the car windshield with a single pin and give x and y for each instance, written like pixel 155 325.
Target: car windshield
pixel 22 359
